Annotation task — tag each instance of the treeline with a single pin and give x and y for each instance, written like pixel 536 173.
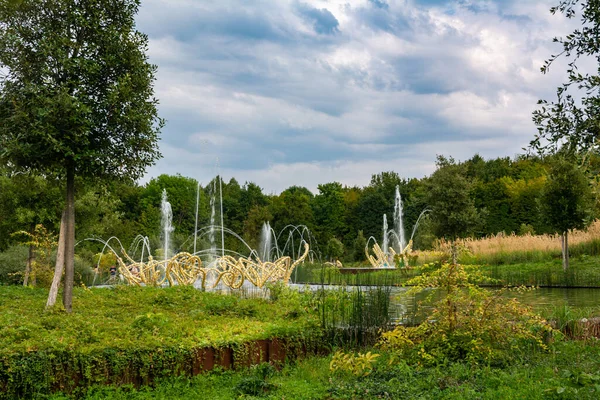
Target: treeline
pixel 505 192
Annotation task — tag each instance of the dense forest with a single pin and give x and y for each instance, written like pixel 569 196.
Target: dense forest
pixel 505 193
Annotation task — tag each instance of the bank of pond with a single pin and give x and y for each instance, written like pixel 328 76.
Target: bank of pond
pixel 546 271
pixel 441 337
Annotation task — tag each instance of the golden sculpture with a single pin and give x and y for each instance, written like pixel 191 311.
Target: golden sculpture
pixel 383 260
pixel 186 269
pixel 234 271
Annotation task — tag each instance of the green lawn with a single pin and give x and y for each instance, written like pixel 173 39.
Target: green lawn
pixel 144 332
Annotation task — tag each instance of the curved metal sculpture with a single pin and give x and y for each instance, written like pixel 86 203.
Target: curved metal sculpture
pixel 383 260
pixel 187 269
pixel 233 272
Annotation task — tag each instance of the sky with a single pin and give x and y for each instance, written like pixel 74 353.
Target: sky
pixel 290 92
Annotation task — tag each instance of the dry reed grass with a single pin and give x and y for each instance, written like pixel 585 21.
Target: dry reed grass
pixel 502 243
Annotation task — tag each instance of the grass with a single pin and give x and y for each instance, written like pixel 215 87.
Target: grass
pixel 125 317
pixel 136 335
pixel 568 370
pixel 583 272
pixel 307 379
pixel 354 317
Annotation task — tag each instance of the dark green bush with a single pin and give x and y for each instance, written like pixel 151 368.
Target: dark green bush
pixel 12 265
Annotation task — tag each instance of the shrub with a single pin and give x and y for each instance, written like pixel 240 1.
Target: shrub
pixel 357 365
pixel 12 265
pixel 469 323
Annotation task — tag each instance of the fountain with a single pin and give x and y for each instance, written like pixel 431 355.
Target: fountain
pixel 166 222
pixel 207 269
pixel 398 223
pixel 265 244
pixel 385 238
pixel 384 256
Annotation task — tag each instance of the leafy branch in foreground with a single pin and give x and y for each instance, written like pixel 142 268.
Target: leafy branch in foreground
pixel 572 120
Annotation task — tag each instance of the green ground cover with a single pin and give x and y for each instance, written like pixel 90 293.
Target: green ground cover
pixel 125 317
pixel 568 370
pixel 152 331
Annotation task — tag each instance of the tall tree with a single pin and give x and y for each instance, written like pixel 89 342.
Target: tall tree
pixel 567 202
pixel 77 98
pixel 574 118
pixel 453 211
pixel 328 209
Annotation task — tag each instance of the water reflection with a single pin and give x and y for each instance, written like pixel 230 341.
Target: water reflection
pixel 407 308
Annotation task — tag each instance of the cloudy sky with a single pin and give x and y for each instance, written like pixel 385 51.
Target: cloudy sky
pixel 302 92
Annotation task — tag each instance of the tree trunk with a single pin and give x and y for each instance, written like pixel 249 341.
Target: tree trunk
pixel 28 266
pixel 60 262
pixel 565 250
pixel 69 239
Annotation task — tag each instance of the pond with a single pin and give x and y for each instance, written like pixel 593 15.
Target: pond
pixel 409 308
pixel 542 300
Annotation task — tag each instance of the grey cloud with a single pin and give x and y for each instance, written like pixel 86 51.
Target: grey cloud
pixel 252 84
pixel 324 22
pixel 380 4
pixel 186 22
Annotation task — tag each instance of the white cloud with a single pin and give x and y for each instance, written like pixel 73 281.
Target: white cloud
pixel 279 103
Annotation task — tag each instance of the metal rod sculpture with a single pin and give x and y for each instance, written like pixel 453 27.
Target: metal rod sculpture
pixel 234 271
pixel 186 269
pixel 383 260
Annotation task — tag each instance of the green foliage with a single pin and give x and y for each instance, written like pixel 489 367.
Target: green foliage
pixel 12 265
pixel 567 200
pixel 77 96
pixel 569 371
pixel 453 211
pixel 506 195
pixel 149 322
pixel 335 249
pixel 256 384
pixel 467 324
pixel 292 207
pixel 41 242
pixel 354 317
pixel 98 213
pixel 545 270
pixel 26 200
pixel 129 334
pixel 78 88
pixel 572 120
pixel 358 247
pixel 328 209
pixel 181 193
pixel 358 365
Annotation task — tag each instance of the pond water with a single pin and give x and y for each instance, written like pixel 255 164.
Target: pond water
pixel 543 300
pixel 404 307
pixel 548 298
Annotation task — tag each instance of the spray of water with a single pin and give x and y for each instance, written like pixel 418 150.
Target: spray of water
pixel 166 223
pixel 398 222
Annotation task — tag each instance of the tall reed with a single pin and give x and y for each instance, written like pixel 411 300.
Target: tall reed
pixel 507 249
pixel 354 316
